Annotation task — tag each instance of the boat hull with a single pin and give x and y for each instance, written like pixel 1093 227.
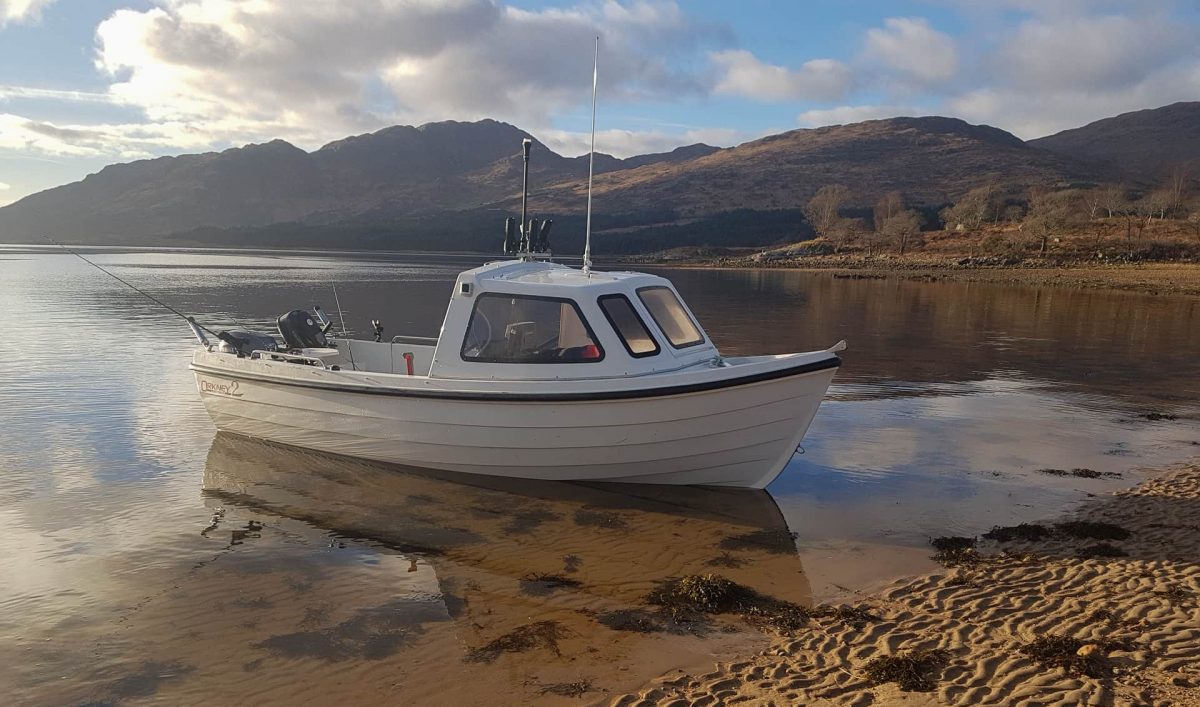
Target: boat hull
pixel 740 434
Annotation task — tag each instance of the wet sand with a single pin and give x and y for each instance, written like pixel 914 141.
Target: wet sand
pixel 1140 608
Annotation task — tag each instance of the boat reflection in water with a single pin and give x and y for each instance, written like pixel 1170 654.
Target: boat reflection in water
pixel 511 553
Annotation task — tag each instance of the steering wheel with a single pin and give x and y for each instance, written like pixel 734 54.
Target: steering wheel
pixel 473 347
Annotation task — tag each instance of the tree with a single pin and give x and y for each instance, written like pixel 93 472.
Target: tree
pixel 902 229
pixel 1049 212
pixel 979 206
pixel 888 206
pixel 822 210
pixel 1176 188
pixel 1111 198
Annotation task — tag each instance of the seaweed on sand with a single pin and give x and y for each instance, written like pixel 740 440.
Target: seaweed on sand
pixel 955 551
pixel 855 616
pixel 1081 473
pixel 689 598
pixel 567 689
pixel 1101 550
pixel 1092 530
pixel 1075 656
pixel 540 634
pixel 543 584
pixel 913 671
pixel 1031 532
pixel 635 620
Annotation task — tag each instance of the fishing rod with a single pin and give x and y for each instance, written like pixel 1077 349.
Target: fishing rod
pixel 197 327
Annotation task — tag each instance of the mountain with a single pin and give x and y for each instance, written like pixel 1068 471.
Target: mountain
pixel 447 185
pixel 930 160
pixel 1143 145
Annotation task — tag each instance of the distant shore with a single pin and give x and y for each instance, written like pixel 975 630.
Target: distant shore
pixel 1101 607
pixel 1159 278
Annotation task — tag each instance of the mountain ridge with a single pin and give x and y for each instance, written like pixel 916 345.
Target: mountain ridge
pixel 438 178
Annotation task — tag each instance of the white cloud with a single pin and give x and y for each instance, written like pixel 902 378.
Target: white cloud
pixel 21 10
pixel 1089 53
pixel 848 114
pixel 4 187
pixel 908 46
pixel 627 143
pixel 1029 114
pixel 740 73
pixel 1065 69
pixel 311 72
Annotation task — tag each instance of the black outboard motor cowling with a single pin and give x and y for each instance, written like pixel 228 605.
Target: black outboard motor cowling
pixel 300 331
pixel 243 342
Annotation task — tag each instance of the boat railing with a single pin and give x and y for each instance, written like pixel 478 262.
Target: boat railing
pixel 290 358
pixel 418 340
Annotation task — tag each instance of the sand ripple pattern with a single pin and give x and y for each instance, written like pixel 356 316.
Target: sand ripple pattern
pixel 1149 598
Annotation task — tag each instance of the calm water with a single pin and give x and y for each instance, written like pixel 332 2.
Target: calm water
pixel 143 559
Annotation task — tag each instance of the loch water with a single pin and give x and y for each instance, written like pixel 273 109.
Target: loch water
pixel 145 559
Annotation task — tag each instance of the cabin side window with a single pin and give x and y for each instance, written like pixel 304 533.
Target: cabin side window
pixel 670 316
pixel 629 326
pixel 523 329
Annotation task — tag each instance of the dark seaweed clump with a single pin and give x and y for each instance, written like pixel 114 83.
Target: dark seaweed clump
pixel 543 584
pixel 955 551
pixel 540 634
pixel 1081 473
pixel 689 599
pixel 1101 550
pixel 1025 531
pixel 567 689
pixel 913 671
pixel 1156 416
pixel 635 620
pixel 1092 530
pixel 1063 652
pixel 856 616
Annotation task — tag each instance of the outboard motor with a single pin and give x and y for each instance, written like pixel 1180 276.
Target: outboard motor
pixel 300 331
pixel 244 342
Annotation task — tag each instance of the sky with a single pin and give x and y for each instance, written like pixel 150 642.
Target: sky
pixel 87 83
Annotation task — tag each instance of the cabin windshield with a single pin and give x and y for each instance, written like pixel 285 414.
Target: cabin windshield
pixel 523 329
pixel 670 316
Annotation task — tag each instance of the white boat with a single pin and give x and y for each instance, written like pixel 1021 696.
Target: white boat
pixel 540 371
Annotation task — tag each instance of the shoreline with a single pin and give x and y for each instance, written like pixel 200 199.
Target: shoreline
pixel 1125 581
pixel 1153 278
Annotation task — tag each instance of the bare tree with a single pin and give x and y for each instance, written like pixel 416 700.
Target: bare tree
pixel 1176 188
pixel 1050 212
pixel 888 206
pixel 1111 198
pixel 979 206
pixel 822 210
pixel 902 229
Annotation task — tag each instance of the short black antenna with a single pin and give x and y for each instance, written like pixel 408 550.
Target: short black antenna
pixel 525 234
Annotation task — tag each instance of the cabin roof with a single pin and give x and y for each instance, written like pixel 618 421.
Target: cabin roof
pixel 557 274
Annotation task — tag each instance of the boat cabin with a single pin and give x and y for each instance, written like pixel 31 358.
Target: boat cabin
pixel 540 320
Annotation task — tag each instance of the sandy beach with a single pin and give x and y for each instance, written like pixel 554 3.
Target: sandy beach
pixel 1112 591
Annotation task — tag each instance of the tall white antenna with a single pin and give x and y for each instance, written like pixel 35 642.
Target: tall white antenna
pixel 587 238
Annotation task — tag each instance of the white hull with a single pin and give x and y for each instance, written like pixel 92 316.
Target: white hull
pixel 740 434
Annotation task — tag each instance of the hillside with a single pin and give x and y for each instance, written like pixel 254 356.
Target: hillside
pixel 930 160
pixel 447 185
pixel 1142 145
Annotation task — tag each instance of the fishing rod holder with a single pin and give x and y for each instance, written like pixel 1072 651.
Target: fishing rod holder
pixel 530 240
